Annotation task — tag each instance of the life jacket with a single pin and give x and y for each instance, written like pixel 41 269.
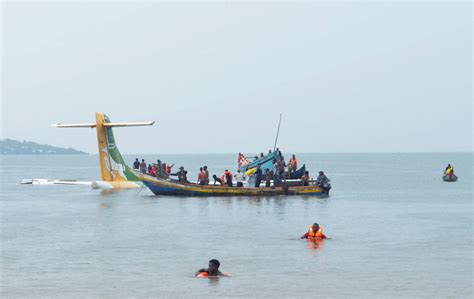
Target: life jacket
pixel 315 235
pixel 449 170
pixel 202 274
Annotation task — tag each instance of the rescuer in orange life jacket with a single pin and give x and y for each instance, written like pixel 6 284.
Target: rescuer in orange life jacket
pixel 315 232
pixel 211 271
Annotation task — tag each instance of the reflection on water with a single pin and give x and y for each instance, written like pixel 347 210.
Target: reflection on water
pixel 315 245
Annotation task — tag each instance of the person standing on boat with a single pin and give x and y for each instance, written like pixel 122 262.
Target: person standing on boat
pixel 201 180
pixel 239 177
pixel 292 164
pixel 449 170
pixel 159 169
pixel 258 176
pixel 267 176
pixel 143 166
pixel 227 178
pixel 207 174
pixel 182 175
pixel 281 168
pixel 136 164
pixel 276 173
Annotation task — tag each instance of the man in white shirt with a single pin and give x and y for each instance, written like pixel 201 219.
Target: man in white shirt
pixel 239 177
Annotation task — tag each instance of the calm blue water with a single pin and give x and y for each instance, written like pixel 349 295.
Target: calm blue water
pixel 397 231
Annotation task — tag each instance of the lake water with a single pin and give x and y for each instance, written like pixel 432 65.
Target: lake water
pixel 397 230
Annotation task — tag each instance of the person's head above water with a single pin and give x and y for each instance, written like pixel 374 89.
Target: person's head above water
pixel 213 266
pixel 315 227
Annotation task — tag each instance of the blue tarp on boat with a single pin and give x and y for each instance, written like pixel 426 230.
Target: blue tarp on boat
pixel 264 162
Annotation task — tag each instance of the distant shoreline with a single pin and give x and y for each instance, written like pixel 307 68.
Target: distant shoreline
pixel 10 147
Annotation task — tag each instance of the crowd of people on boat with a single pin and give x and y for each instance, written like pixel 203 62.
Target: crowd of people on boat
pixel 246 175
pixel 158 169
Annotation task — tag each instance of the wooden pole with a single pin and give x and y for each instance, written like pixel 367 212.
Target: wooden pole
pixel 278 132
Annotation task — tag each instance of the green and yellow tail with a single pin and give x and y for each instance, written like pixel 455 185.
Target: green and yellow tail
pixel 114 172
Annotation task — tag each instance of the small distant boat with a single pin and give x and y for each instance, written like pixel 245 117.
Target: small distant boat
pixel 450 178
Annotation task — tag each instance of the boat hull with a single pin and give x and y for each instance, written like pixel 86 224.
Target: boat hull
pixel 448 178
pixel 170 187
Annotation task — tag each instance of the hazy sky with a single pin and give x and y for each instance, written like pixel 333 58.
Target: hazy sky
pixel 348 77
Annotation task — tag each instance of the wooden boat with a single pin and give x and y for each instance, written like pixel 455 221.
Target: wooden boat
pixel 264 162
pixel 299 173
pixel 172 187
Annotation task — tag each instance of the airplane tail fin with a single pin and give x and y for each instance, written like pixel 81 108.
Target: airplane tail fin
pixel 112 166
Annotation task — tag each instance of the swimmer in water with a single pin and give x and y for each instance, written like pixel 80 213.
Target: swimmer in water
pixel 315 232
pixel 212 270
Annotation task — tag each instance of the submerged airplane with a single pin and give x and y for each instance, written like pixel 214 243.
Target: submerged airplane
pixel 114 172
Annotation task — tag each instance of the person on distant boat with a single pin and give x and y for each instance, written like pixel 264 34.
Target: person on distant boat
pixel 212 270
pixel 143 166
pixel 201 180
pixel 262 155
pixel 153 170
pixel 204 168
pixel 182 175
pixel 305 179
pixel 136 164
pixel 258 176
pixel 449 170
pixel 267 176
pixel 149 168
pixel 227 178
pixel 315 232
pixel 292 164
pixel 239 177
pixel 217 180
pixel 269 151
